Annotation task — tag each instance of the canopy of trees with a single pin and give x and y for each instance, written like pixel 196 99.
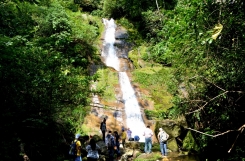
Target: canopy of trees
pixel 47 47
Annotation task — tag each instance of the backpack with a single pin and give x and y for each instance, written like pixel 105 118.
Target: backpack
pixel 136 138
pixel 131 139
pixel 73 149
pixel 163 137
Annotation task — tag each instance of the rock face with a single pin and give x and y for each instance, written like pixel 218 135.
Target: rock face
pixel 122 48
pixel 121 33
pixel 172 145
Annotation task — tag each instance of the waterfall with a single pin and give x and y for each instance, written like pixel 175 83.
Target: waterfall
pixel 134 118
pixel 109 51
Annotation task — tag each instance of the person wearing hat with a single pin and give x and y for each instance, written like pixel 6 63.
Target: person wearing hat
pixel 78 147
pixel 162 137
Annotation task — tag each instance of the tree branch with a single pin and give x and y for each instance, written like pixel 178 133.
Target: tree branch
pixel 240 129
pixel 202 107
pixel 199 132
pixel 193 101
pixel 224 92
pixel 214 84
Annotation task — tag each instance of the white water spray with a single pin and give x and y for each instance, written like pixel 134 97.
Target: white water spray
pixel 132 109
pixel 109 51
pixel 134 118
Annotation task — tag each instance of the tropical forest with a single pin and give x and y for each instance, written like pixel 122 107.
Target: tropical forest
pixel 187 64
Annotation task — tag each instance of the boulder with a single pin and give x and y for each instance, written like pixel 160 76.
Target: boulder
pixel 97 138
pixel 189 142
pixel 133 145
pixel 121 33
pixel 172 145
pixel 102 146
pixel 128 153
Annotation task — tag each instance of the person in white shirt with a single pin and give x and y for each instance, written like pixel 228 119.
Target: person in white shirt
pixel 148 133
pixel 92 149
pixel 162 137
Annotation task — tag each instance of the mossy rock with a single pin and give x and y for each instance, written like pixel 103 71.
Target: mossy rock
pixel 97 138
pixel 133 145
pixel 172 145
pixel 135 57
pixel 189 142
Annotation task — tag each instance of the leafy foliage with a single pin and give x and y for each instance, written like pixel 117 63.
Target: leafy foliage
pixel 208 71
pixel 44 78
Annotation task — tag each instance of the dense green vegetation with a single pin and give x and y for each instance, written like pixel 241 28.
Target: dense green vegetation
pixel 45 78
pixel 192 48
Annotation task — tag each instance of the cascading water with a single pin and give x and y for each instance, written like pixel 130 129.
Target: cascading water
pixel 134 118
pixel 109 52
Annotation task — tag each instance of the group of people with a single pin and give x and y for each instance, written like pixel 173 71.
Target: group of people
pixel 148 134
pixel 90 145
pixel 124 135
pixel 112 141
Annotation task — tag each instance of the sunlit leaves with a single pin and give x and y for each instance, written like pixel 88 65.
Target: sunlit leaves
pixel 53 20
pixel 15 18
pixel 217 30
